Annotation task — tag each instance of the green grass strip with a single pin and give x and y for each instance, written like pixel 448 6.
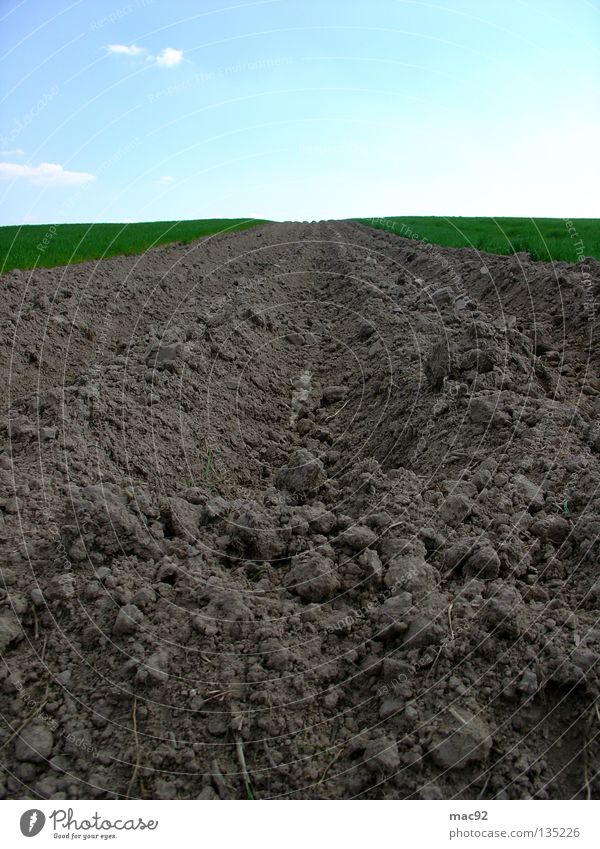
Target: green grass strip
pixel 48 245
pixel 545 239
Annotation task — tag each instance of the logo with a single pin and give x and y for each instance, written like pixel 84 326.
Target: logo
pixel 32 822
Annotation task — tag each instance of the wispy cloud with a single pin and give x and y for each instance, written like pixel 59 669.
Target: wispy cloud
pixel 125 49
pixel 18 151
pixel 166 179
pixel 169 57
pixel 44 174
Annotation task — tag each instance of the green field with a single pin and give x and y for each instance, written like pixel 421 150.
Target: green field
pixel 47 245
pixel 543 238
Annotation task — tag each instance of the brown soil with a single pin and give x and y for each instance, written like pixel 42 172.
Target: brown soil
pixel 308 511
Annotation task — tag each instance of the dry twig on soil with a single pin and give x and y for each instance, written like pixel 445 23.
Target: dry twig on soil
pixel 136 765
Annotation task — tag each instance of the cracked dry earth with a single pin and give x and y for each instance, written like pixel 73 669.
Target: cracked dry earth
pixel 307 511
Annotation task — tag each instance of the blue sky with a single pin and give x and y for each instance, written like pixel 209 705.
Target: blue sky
pixel 133 110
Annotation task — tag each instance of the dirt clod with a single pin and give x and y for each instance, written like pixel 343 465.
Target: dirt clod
pixel 465 738
pixel 34 743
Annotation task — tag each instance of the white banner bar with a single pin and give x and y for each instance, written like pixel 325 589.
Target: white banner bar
pixel 304 825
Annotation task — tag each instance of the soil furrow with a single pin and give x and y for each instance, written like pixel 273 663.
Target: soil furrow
pixel 309 492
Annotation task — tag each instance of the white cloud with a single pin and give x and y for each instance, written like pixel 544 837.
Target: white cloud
pixel 169 57
pixel 166 179
pixel 44 174
pixel 18 151
pixel 125 49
